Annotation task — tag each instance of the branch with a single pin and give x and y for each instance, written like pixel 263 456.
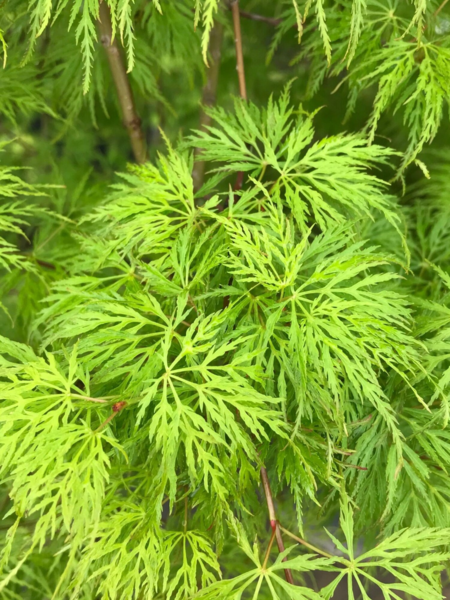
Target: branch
pixel 209 95
pixel 273 521
pixel 239 53
pixel 130 117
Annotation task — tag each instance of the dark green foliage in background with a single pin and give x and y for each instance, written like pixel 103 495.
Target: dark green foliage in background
pixel 225 327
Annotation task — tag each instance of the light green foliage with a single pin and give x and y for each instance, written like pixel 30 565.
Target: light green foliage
pixel 192 377
pixel 401 555
pixel 396 68
pixel 316 180
pixel 58 464
pixel 270 577
pixel 14 216
pixel 403 53
pixel 399 47
pixel 312 330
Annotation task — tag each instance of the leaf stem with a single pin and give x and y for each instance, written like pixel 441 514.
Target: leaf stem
pixel 185 513
pixel 130 117
pixel 269 548
pixel 90 399
pixel 273 521
pixel 305 543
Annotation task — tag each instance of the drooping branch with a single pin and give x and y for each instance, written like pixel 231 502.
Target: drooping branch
pixel 209 95
pixel 131 119
pixel 273 520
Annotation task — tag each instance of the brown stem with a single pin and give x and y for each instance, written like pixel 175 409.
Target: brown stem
pixel 209 95
pixel 130 117
pixel 239 53
pixel 273 521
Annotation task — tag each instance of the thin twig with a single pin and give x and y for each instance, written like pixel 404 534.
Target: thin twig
pixel 273 521
pixel 438 10
pixel 261 18
pixel 130 117
pixel 209 95
pixel 45 264
pixel 240 71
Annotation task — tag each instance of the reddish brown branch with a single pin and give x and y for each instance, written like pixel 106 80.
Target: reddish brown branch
pixel 273 521
pixel 209 95
pixel 131 119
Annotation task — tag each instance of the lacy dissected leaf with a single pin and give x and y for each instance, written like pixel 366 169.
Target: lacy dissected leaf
pixel 416 78
pixel 411 557
pixel 333 325
pixel 128 547
pixel 267 576
pixel 319 181
pixel 15 214
pixel 54 462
